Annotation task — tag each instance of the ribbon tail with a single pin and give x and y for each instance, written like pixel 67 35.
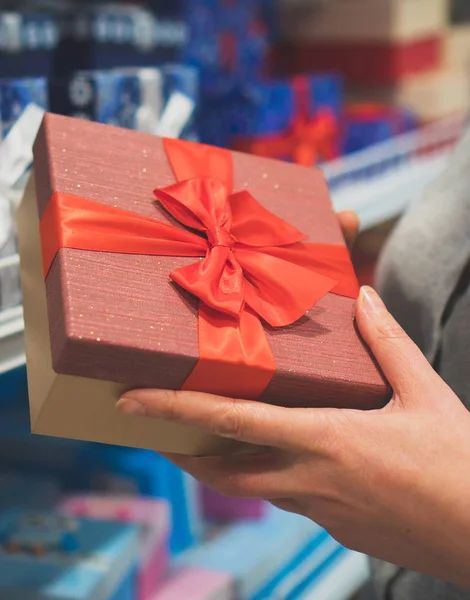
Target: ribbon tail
pixel 235 358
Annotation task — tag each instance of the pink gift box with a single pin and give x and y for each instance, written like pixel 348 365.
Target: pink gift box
pixel 220 508
pixel 197 584
pixel 151 515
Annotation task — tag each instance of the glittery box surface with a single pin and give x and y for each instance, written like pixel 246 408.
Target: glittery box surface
pixel 118 318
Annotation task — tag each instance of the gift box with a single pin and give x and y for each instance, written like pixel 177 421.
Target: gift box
pixel 304 571
pixel 131 472
pixel 292 120
pixel 125 322
pixel 362 20
pixel 228 43
pixel 43 555
pixel 151 516
pixel 457 47
pixel 361 63
pixel 255 555
pixel 368 124
pixel 121 35
pixel 222 509
pixel 430 96
pixel 130 98
pixel 16 95
pixel 197 584
pixel 28 41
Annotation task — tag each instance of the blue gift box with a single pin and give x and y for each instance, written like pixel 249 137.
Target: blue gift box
pixel 28 42
pixel 267 108
pixel 44 555
pixel 16 95
pixel 258 555
pixel 369 124
pixel 122 470
pixel 130 98
pixel 228 43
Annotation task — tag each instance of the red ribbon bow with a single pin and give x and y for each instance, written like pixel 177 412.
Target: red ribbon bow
pixel 251 256
pixel 253 265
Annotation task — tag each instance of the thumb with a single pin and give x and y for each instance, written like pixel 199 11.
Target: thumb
pixel 405 367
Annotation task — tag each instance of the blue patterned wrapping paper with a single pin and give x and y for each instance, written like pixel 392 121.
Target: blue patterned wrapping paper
pixel 119 97
pixel 16 95
pixel 264 108
pixel 211 22
pixel 28 42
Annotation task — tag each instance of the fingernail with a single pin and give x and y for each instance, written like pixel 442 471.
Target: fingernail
pixel 130 406
pixel 370 301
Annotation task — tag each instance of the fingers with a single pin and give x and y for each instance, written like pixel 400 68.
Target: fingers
pixel 251 422
pixel 349 223
pixel 401 361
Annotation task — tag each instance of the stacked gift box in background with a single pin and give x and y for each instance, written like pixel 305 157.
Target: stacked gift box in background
pixel 309 81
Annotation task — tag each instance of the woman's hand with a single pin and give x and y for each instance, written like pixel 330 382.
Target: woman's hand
pixel 393 483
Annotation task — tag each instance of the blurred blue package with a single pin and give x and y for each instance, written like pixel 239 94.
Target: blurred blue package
pixel 228 43
pixel 306 567
pixel 369 124
pixel 28 41
pixel 45 556
pixel 16 95
pixel 121 35
pixel 256 554
pixel 130 98
pixel 28 492
pixel 269 112
pixel 111 469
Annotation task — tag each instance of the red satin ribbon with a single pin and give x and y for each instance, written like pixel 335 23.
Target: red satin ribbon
pixel 308 139
pixel 254 266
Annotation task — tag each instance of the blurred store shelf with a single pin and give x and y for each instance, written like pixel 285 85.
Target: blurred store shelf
pixel 381 181
pixel 11 329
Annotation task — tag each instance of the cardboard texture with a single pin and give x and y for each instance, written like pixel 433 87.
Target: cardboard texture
pixel 362 20
pixel 105 323
pixel 457 47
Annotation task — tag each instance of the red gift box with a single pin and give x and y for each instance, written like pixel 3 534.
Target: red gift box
pixel 362 63
pixel 167 264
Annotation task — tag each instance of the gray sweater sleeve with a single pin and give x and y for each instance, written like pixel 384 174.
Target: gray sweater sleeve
pixel 427 252
pixel 418 273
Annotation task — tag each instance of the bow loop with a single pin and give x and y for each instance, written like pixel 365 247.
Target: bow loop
pixel 217 280
pixel 198 203
pixel 253 225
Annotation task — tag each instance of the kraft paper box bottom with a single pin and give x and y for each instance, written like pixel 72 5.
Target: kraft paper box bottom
pixel 77 407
